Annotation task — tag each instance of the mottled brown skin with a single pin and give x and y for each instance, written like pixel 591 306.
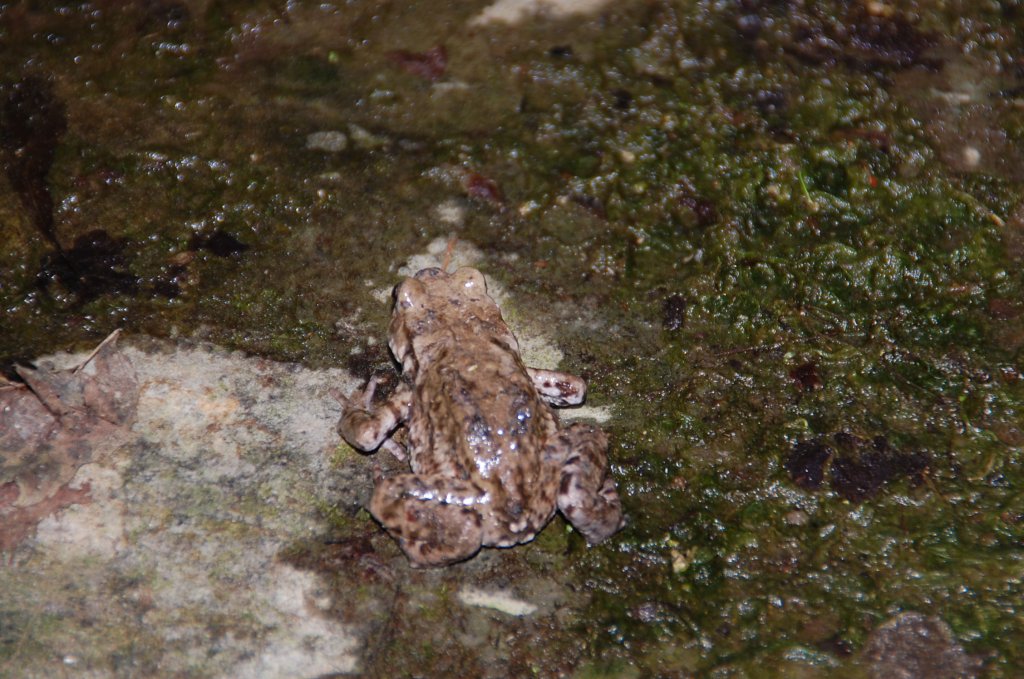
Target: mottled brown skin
pixel 490 463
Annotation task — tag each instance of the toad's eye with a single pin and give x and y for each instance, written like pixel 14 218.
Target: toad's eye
pixel 404 299
pixel 429 273
pixel 469 278
pixel 401 297
pixel 409 293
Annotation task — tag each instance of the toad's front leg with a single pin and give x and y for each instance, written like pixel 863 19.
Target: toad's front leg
pixel 586 491
pixel 364 426
pixel 557 388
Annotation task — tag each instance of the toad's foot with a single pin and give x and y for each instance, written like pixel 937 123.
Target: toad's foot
pixel 433 518
pixel 395 448
pixel 586 493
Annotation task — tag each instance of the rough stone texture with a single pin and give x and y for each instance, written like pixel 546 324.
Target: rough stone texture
pixel 159 555
pixel 913 646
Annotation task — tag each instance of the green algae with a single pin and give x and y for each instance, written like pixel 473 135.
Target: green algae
pixel 862 257
pixel 798 209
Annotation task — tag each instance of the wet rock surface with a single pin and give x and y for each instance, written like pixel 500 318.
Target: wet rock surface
pixel 750 226
pixel 912 645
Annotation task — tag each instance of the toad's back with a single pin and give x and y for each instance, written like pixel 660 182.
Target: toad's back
pixel 476 415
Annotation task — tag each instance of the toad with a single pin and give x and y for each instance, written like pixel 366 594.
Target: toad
pixel 490 463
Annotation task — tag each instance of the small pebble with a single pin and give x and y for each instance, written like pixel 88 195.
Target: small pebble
pixel 328 140
pixel 971 156
pixel 797 518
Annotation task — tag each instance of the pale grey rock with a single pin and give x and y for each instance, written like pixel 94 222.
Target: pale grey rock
pixel 165 561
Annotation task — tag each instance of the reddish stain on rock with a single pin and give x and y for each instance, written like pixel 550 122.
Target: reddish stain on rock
pixel 8 494
pixel 479 186
pixel 429 65
pixel 18 524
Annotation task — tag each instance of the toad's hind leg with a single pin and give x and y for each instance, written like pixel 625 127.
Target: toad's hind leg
pixel 433 518
pixel 586 492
